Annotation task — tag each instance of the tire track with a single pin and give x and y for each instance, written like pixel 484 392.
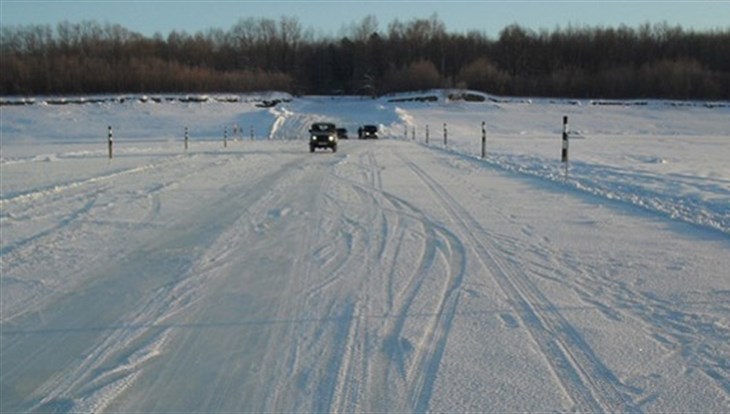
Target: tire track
pixel 585 379
pixel 87 200
pixel 409 361
pixel 412 263
pixel 93 199
pixel 33 196
pixel 304 286
pixel 697 338
pixel 700 340
pixel 357 208
pixel 336 390
pixel 351 378
pixel 112 364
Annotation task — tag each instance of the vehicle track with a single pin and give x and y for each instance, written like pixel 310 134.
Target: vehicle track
pixel 701 341
pixel 40 193
pixel 354 209
pixel 92 197
pixel 132 339
pixel 698 338
pixel 402 377
pixel 586 380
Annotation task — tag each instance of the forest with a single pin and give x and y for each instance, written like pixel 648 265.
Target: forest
pixel 260 54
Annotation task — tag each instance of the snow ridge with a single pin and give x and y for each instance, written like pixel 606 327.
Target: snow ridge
pixel 652 193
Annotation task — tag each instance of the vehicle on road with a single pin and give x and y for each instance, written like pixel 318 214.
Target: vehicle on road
pixel 323 135
pixel 367 132
pixel 342 133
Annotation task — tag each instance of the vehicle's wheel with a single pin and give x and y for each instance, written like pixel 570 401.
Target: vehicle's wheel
pixel 311 148
pixel 334 148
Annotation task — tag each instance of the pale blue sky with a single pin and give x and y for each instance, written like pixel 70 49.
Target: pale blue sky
pixel 330 17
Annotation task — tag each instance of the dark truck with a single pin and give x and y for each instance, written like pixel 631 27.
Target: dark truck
pixel 367 132
pixel 323 135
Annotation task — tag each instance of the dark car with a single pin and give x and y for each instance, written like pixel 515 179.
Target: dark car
pixel 342 133
pixel 367 132
pixel 323 135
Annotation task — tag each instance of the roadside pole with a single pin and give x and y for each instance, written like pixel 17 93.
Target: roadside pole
pixel 110 141
pixel 564 154
pixel 484 139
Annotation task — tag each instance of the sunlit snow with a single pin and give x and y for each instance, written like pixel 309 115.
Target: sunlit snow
pixel 394 275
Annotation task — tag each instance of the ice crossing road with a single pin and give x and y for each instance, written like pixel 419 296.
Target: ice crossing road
pixel 387 277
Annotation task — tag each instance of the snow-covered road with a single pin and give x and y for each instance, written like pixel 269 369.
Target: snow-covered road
pixel 386 277
pixel 390 276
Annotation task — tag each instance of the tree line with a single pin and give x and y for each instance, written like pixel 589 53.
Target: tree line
pixel 650 61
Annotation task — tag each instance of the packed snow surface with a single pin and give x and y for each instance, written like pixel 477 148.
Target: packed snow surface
pixel 395 275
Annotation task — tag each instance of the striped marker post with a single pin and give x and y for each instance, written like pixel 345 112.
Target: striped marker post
pixel 111 142
pixel 484 139
pixel 564 154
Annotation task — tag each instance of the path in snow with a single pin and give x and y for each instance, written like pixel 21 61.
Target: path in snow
pixel 386 277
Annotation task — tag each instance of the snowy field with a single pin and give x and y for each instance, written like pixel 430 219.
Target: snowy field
pixel 391 276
